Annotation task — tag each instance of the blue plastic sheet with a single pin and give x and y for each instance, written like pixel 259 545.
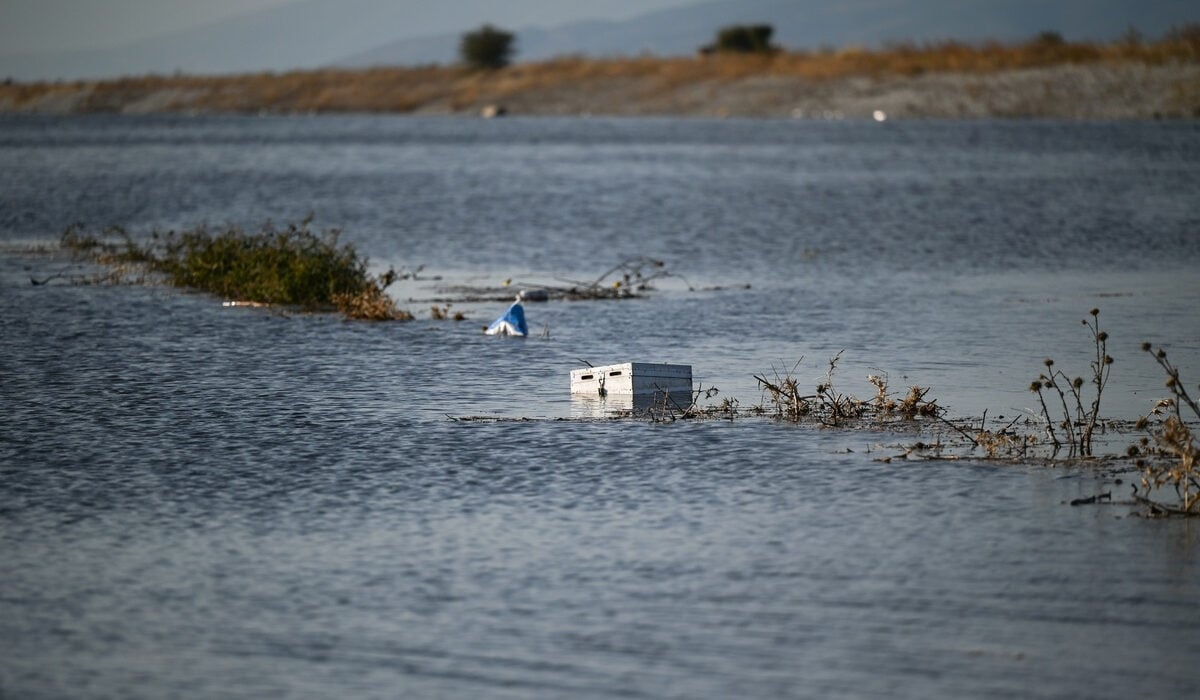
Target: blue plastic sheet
pixel 511 323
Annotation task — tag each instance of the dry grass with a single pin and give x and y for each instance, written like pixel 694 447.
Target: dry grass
pixel 445 89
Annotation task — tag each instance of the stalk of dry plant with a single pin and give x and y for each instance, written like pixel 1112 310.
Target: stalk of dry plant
pixel 837 407
pixel 1005 442
pixel 667 408
pixel 784 393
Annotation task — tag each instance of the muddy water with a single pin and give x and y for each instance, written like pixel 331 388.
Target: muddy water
pixel 238 502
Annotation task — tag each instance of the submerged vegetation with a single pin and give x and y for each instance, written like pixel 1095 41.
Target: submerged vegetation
pixel 832 408
pixel 629 278
pixel 1167 457
pixel 298 267
pixel 294 266
pixel 313 271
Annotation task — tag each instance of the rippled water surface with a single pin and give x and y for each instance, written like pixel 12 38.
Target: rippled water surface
pixel 230 502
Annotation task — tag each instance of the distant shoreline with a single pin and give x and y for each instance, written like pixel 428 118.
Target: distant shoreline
pixel 950 81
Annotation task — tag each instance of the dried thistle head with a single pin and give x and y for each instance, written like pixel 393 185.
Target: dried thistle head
pixel 1102 336
pixel 1094 312
pixel 1078 382
pixel 1048 362
pixel 1146 347
pixel 1035 387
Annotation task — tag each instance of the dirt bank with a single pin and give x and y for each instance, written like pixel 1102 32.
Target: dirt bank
pixel 642 87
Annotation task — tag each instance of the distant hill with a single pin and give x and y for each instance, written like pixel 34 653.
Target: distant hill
pixel 314 33
pixel 811 24
pixel 298 34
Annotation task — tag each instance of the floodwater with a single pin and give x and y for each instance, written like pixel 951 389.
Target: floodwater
pixel 227 502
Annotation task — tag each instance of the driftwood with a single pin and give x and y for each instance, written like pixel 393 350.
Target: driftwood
pixel 1106 496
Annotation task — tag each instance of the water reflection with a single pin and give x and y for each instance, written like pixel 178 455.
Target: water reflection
pixel 591 406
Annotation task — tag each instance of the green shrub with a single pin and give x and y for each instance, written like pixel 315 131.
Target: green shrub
pixel 290 267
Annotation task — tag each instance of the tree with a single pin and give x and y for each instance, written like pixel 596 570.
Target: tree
pixel 486 47
pixel 1049 37
pixel 743 38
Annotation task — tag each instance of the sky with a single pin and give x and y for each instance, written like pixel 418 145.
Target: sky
pixel 51 25
pixel 32 25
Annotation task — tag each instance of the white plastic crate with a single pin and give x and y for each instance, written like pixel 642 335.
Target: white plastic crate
pixel 633 379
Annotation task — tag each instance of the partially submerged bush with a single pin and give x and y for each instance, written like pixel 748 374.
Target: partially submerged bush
pixel 1171 455
pixel 290 267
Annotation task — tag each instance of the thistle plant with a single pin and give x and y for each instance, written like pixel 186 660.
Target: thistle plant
pixel 1077 423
